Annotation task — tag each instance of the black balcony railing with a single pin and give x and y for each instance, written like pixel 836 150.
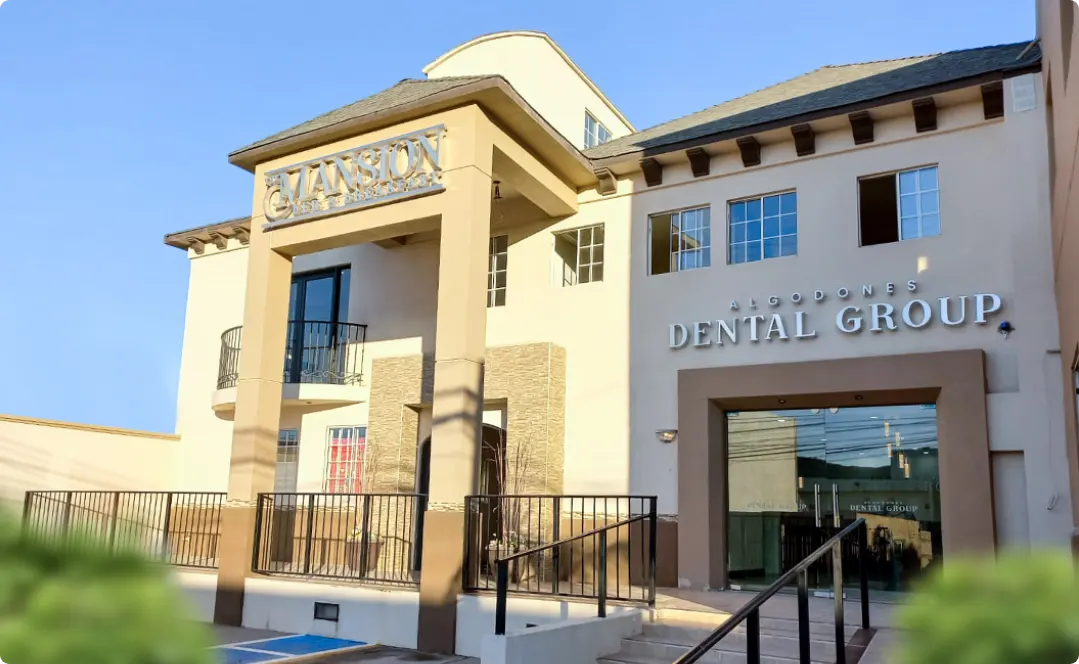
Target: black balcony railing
pixel 348 536
pixel 315 352
pixel 500 527
pixel 179 528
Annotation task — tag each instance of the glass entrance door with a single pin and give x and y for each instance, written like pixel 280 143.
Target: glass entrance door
pixel 797 477
pixel 318 302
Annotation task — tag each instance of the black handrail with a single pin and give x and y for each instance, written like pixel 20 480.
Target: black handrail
pixel 503 574
pixel 316 351
pixel 751 611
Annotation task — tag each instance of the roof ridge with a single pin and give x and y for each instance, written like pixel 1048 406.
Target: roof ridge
pixel 926 55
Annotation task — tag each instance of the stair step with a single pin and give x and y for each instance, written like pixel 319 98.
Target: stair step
pixel 769 626
pixel 780 647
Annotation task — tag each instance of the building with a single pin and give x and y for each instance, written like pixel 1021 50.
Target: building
pixel 827 299
pixel 1056 34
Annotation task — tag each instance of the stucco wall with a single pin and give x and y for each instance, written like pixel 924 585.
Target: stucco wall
pixel 995 239
pixel 42 454
pixel 539 74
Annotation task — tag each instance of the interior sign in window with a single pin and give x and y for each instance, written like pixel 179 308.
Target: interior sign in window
pixel 389 170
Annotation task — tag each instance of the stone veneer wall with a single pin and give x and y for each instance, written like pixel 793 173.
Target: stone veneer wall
pixel 529 380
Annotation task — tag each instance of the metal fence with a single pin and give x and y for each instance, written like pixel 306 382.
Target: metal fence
pixel 348 536
pixel 179 528
pixel 499 526
pixel 315 352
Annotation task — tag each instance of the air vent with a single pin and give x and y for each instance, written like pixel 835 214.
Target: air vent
pixel 327 611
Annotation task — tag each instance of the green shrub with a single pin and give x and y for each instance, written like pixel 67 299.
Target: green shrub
pixel 73 603
pixel 1014 609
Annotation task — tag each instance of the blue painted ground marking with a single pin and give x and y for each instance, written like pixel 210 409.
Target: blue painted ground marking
pixel 305 644
pixel 235 656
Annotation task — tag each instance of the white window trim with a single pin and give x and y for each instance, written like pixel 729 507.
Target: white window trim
pixel 327 460
pixel 760 197
pixel 492 270
pixel 918 200
pixel 674 264
pixel 557 273
pixel 587 135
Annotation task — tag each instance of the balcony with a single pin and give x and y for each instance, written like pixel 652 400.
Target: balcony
pixel 323 364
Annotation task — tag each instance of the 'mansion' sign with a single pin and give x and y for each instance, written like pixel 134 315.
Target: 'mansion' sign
pixel 380 172
pixel 850 318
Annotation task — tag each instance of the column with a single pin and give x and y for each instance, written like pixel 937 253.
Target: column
pixel 457 407
pixel 256 421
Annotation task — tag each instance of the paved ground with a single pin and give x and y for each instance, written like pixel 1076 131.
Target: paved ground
pixel 388 655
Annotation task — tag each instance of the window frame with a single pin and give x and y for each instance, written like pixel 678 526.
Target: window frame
pixel 588 135
pixel 291 446
pixel 359 462
pixel 592 264
pixel 916 170
pixel 675 264
pixel 493 271
pixel 760 197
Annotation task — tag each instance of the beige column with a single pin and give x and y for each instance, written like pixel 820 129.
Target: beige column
pixel 458 394
pixel 258 415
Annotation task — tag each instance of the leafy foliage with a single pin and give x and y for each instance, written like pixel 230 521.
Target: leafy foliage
pixel 66 602
pixel 1013 609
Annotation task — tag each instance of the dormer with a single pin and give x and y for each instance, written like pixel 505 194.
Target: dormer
pixel 545 77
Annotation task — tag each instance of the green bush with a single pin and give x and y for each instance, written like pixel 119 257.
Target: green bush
pixel 1014 609
pixel 73 603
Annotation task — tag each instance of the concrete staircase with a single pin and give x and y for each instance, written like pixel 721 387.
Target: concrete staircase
pixel 671 633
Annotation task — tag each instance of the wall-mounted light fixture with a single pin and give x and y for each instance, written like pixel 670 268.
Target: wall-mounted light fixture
pixel 667 435
pixel 497 195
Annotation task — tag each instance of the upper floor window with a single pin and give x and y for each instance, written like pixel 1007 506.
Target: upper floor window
pixel 288 461
pixel 579 255
pixel 762 227
pixel 899 206
pixel 594 131
pixel 497 253
pixel 346 449
pixel 679 241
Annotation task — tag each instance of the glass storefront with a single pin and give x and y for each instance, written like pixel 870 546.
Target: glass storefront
pixel 796 477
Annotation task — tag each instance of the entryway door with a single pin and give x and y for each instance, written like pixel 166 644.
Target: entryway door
pixel 798 477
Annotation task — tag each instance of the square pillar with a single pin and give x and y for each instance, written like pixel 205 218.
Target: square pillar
pixel 457 404
pixel 257 419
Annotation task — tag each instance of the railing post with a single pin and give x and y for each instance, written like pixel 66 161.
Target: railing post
pixel 115 518
pixel 421 503
pixel 863 571
pixel 837 585
pixel 255 550
pixel 556 553
pixel 310 536
pixel 67 515
pixel 753 637
pixel 652 527
pixel 165 527
pixel 501 588
pixel 803 617
pixel 602 582
pixel 364 538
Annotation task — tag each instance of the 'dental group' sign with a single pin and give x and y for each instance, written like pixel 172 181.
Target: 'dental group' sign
pixel 381 172
pixel 851 318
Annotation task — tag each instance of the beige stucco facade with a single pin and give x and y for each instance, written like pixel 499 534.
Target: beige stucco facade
pixel 583 377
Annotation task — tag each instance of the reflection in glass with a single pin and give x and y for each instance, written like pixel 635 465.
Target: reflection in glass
pixel 798 476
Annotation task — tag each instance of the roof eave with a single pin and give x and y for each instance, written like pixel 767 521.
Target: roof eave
pixel 238 228
pixel 477 92
pixel 906 95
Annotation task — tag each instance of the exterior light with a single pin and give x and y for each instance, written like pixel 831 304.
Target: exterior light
pixel 782 401
pixel 498 193
pixel 667 435
pixel 1005 329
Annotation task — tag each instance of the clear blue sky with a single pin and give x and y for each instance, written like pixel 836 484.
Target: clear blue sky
pixel 116 119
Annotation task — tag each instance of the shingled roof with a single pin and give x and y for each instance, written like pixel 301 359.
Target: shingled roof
pixel 407 91
pixel 827 88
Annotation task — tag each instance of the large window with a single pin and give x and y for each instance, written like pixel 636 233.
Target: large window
pixel 497 253
pixel 346 449
pixel 288 461
pixel 679 241
pixel 899 206
pixel 579 255
pixel 762 227
pixel 594 131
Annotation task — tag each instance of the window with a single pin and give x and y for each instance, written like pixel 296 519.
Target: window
pixel 497 253
pixel 594 131
pixel 679 241
pixel 346 449
pixel 899 206
pixel 579 255
pixel 288 457
pixel 764 227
